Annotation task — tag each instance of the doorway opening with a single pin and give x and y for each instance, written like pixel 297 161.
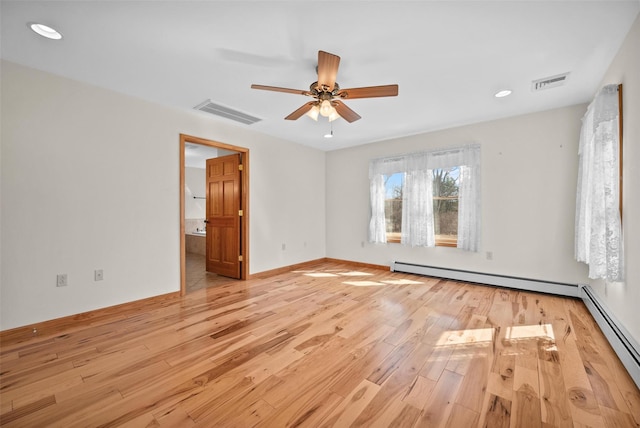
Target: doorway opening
pixel 190 228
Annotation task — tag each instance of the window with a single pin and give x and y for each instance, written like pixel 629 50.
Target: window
pixel 393 186
pixel 427 199
pixel 445 205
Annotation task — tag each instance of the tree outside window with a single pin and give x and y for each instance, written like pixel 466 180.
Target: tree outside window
pixel 445 205
pixel 393 185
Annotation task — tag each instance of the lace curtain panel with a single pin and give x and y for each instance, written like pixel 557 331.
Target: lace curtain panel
pixel 469 213
pixel 417 209
pixel 378 224
pixel 417 195
pixel 598 233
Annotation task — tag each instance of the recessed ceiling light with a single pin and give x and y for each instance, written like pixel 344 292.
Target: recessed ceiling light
pixel 503 93
pixel 45 31
pixel 330 135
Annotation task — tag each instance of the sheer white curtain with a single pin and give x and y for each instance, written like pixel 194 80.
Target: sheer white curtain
pixel 377 225
pixel 417 209
pixel 417 195
pixel 598 233
pixel 378 168
pixel 469 208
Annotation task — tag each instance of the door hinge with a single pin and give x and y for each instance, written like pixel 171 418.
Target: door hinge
pixel 240 259
pixel 240 167
pixel 240 213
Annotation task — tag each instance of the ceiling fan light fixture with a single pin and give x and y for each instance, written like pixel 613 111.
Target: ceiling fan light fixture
pixel 45 31
pixel 313 113
pixel 325 108
pixel 333 115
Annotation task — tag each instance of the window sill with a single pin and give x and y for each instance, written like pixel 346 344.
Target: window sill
pixel 441 241
pixel 446 241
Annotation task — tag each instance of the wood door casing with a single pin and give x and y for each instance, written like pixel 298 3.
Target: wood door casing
pixel 223 215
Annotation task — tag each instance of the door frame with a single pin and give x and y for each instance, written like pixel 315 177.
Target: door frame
pixel 244 200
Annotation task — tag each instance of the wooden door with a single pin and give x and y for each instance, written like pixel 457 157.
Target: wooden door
pixel 224 215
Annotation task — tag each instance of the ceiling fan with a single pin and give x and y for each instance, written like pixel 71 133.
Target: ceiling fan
pixel 327 93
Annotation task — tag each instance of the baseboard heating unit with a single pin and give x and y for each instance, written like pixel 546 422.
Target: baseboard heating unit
pixel 559 288
pixel 621 341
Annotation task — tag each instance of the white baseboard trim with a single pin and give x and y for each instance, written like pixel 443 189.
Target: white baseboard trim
pixel 621 341
pixel 559 288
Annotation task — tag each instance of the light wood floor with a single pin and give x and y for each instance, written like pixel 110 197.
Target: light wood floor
pixel 329 346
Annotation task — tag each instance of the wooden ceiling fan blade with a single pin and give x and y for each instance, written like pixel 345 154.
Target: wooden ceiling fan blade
pixel 278 89
pixel 301 111
pixel 327 70
pixel 345 112
pixel 369 92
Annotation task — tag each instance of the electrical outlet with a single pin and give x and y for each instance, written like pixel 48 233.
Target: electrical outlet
pixel 489 255
pixel 284 247
pixel 98 275
pixel 61 280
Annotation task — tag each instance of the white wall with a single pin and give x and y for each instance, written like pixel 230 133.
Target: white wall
pixel 624 298
pixel 90 180
pixel 194 180
pixel 529 174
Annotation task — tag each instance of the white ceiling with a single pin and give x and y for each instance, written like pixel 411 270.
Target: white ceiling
pixel 448 58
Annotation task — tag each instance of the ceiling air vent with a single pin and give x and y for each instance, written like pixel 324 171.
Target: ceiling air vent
pixel 549 82
pixel 219 110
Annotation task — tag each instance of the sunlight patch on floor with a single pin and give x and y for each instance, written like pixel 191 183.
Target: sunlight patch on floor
pixel 321 275
pixel 402 282
pixel 363 283
pixel 355 273
pixel 325 274
pixel 465 337
pixel 525 332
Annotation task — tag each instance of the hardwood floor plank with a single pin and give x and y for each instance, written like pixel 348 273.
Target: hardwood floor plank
pixel 248 402
pixel 501 375
pixel 462 417
pixel 474 384
pixel 526 404
pixel 441 401
pixel 498 414
pixel 21 412
pixel 614 418
pixel 387 403
pixel 42 388
pixel 364 359
pixel 419 392
pixel 582 401
pixel 328 345
pixel 251 416
pixel 66 413
pixel 352 405
pixel 553 395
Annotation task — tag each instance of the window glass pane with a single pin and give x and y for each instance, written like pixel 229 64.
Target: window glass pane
pixel 393 205
pixel 445 204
